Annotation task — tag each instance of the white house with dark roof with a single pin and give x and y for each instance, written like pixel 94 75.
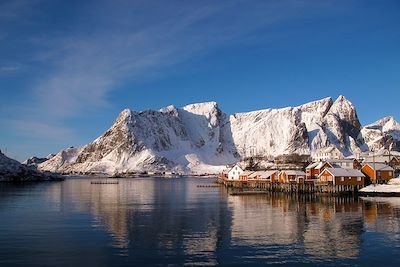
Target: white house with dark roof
pixel 235 172
pixel 345 163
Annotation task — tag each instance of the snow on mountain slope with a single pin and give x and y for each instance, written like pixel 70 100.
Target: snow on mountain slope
pixel 13 171
pixel 61 161
pixel 201 138
pixel 270 132
pixel 171 138
pixel 300 129
pixel 343 127
pixel 34 161
pixel 9 165
pixel 382 134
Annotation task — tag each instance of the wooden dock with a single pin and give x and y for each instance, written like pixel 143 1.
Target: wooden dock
pixel 208 185
pixel 104 182
pixel 290 188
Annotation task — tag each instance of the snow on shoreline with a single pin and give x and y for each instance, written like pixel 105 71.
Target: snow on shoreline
pixel 392 187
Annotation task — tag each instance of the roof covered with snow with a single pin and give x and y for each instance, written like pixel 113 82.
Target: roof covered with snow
pixel 294 172
pixel 380 167
pixel 345 172
pixel 312 165
pixel 321 164
pixel 262 174
pixel 246 173
pixel 350 160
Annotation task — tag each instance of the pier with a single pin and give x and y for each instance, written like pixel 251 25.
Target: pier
pixel 308 187
pixel 104 182
pixel 209 185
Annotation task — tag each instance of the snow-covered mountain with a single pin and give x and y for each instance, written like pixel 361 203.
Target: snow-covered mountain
pixel 382 134
pixel 34 161
pixel 13 171
pixel 201 138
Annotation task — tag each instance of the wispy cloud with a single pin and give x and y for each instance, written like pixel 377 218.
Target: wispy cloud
pixel 8 68
pixel 126 41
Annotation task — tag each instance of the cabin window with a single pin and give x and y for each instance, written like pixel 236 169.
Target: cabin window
pixel 359 179
pixel 342 179
pixel 390 174
pixel 349 178
pixel 233 173
pixel 379 174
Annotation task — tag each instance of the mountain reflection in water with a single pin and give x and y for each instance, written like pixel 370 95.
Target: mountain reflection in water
pixel 172 221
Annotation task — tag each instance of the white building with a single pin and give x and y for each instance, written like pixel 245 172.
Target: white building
pixel 325 153
pixel 343 163
pixel 235 172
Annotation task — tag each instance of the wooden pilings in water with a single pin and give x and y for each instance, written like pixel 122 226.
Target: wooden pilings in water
pixel 293 188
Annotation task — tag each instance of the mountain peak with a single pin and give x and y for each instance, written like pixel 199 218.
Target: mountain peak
pixel 202 105
pixel 171 109
pixel 387 119
pixel 126 112
pixel 343 100
pixel 342 104
pixel 124 116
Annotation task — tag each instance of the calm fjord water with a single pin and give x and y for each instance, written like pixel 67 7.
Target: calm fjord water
pixel 155 221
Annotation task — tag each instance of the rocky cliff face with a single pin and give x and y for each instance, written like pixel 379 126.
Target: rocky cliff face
pixel 201 138
pixel 382 134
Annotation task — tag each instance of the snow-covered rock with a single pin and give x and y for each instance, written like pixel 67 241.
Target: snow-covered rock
pixel 13 171
pixel 9 165
pixel 34 161
pixel 301 129
pixel 201 138
pixel 61 161
pixel 382 134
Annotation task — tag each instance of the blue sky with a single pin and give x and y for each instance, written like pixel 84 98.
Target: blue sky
pixel 67 68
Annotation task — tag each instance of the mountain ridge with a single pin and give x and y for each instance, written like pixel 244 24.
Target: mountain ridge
pixel 200 137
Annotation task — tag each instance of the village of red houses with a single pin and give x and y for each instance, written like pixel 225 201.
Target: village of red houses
pixel 327 172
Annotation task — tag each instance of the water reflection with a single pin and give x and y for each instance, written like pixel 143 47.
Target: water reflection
pixel 382 214
pixel 319 227
pixel 153 216
pixel 172 221
pixel 175 217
